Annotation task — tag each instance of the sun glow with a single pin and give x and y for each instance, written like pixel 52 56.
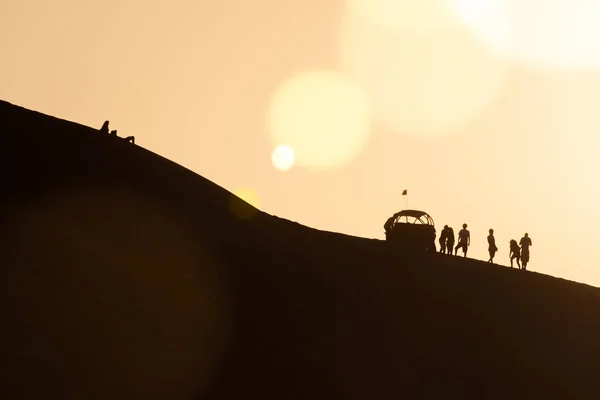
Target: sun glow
pixel 323 115
pixel 425 85
pixel 547 34
pixel 283 157
pixel 422 16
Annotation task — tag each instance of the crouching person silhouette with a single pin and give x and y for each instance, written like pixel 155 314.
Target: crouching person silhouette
pixel 515 253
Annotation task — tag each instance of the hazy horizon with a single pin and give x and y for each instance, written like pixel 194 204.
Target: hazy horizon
pixel 485 114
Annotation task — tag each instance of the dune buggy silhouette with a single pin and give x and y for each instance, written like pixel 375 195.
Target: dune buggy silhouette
pixel 411 229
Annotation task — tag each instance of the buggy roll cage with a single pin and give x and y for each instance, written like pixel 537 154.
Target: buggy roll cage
pixel 417 217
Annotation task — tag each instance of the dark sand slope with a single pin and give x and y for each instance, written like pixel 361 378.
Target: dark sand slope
pixel 124 275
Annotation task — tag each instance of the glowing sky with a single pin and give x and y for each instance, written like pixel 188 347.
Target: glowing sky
pixel 486 111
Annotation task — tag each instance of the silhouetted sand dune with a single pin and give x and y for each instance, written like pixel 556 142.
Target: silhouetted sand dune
pixel 125 275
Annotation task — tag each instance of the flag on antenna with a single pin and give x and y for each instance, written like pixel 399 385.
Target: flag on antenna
pixel 404 193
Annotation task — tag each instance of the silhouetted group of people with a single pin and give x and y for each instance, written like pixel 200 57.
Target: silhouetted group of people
pixel 447 240
pixel 518 251
pixel 104 129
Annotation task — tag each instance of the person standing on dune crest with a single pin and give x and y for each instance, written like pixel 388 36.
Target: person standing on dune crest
pixel 464 240
pixel 492 246
pixel 525 243
pixel 449 240
pixel 442 239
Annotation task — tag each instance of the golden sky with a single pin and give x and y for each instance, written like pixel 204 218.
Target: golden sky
pixel 485 110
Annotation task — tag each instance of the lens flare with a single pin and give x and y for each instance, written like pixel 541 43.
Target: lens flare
pixel 140 282
pixel 422 16
pixel 247 208
pixel 283 157
pixel 545 34
pixel 425 85
pixel 323 115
